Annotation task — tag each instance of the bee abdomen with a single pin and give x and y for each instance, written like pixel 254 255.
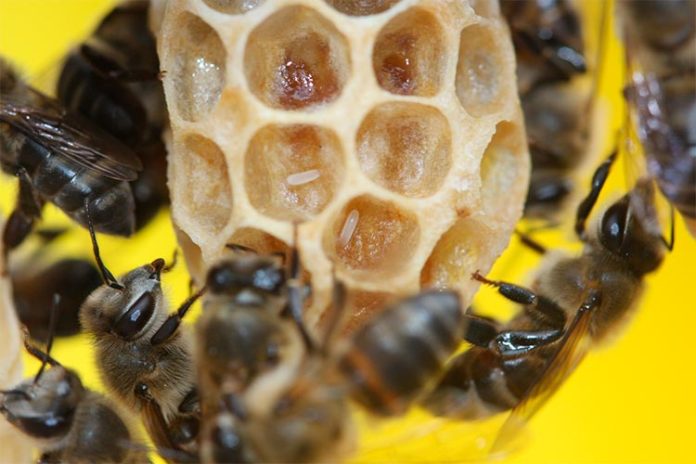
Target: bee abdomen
pixel 393 359
pixel 108 103
pixel 111 203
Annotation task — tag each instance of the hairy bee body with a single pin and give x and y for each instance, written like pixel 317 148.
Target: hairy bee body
pixel 69 422
pixel 500 372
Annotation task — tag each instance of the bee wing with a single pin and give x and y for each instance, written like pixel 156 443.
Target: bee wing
pixel 572 349
pixel 73 138
pixel 156 426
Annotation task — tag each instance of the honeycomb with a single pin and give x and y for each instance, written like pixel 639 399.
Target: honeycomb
pixel 389 130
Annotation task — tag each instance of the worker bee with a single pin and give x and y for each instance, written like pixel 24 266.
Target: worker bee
pixel 551 67
pixel 33 287
pixel 575 303
pixel 144 356
pixel 69 422
pixel 660 43
pixel 113 79
pixel 60 157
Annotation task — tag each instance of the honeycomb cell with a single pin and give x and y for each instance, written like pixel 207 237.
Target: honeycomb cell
pixel 408 56
pixel 296 59
pixel 233 6
pixel 198 71
pixel 486 8
pixel 362 7
pixel 292 171
pixel 456 255
pixel 405 147
pixel 192 254
pixel 360 307
pixel 500 167
pixel 259 241
pixel 481 72
pixel 210 202
pixel 372 236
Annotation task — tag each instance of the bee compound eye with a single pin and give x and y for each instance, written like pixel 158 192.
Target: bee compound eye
pixel 613 226
pixel 134 320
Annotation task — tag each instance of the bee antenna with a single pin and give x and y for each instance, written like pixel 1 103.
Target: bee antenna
pixel 107 277
pixel 55 307
pixel 16 392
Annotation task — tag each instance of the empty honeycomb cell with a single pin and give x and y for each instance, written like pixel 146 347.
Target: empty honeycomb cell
pixel 292 171
pixel 198 71
pixel 405 147
pixel 362 7
pixel 501 167
pixel 408 56
pixel 360 307
pixel 456 255
pixel 372 236
pixel 233 6
pixel 296 59
pixel 209 202
pixel 480 80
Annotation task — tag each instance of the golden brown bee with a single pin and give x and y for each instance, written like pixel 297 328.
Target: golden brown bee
pixel 69 422
pixel 144 357
pixel 113 79
pixel 660 42
pixel 65 159
pixel 576 302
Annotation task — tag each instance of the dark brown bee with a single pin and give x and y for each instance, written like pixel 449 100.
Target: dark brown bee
pixel 548 40
pixel 113 79
pixel 144 357
pixel 33 287
pixel 241 334
pixel 62 158
pixel 69 422
pixel 272 392
pixel 660 42
pixel 547 35
pixel 575 303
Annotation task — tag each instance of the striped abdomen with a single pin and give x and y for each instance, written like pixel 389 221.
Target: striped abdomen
pixel 480 383
pixel 392 359
pixel 68 185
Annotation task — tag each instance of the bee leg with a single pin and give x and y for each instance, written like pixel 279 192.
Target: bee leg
pixel 171 324
pixel 155 423
pixel 338 306
pixel 22 219
pixel 512 343
pixel 237 248
pixel 537 306
pixel 480 330
pixel 295 296
pixel 530 243
pixel 586 205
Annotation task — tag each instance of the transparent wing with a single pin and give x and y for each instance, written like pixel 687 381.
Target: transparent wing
pixel 572 349
pixel 73 138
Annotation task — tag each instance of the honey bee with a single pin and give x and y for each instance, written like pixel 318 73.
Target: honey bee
pixel 113 79
pixel 69 422
pixel 551 65
pixel 660 42
pixel 144 357
pixel 33 287
pixel 575 303
pixel 243 337
pixel 60 157
pixel 281 395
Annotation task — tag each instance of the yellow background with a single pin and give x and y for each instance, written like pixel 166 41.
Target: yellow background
pixel 634 401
